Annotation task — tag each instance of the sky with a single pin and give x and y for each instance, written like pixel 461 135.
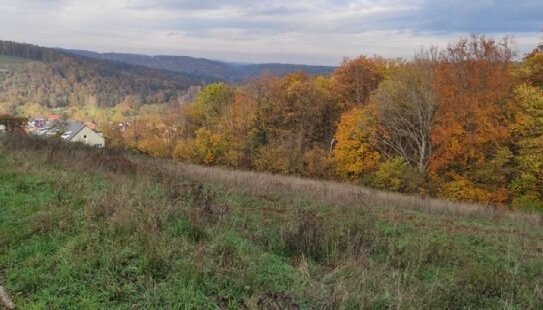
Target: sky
pixel 318 32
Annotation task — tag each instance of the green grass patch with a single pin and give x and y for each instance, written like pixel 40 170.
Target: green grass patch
pixel 76 238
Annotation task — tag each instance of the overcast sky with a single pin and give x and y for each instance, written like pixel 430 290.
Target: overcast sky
pixel 293 31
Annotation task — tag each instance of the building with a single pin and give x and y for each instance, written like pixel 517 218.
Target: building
pixel 69 131
pixel 79 132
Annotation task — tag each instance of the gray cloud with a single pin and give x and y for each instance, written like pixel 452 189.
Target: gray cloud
pixel 258 30
pixel 488 16
pixel 344 16
pixel 280 10
pixel 35 6
pixel 187 4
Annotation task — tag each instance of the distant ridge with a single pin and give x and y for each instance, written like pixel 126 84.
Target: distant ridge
pixel 206 68
pixel 59 78
pixel 54 78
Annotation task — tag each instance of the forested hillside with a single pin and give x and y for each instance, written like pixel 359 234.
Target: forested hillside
pixel 463 123
pixel 205 68
pixel 50 78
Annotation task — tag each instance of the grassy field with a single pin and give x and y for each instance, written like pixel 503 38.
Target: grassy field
pixel 85 228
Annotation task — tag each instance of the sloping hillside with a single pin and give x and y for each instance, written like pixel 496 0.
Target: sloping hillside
pixel 89 228
pixel 9 63
pixel 55 79
pixel 206 68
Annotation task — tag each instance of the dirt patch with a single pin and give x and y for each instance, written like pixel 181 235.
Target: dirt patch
pixel 5 300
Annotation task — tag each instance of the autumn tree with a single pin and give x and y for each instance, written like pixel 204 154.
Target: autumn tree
pixel 13 124
pixel 212 103
pixel 527 130
pixel 199 131
pixel 298 115
pixel 406 106
pixel 218 127
pixel 531 70
pixel 237 126
pixel 474 84
pixel 357 78
pixel 356 152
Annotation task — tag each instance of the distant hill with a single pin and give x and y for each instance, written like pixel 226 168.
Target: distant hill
pixel 205 68
pixel 54 78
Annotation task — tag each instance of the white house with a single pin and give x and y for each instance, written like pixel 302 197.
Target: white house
pixel 78 132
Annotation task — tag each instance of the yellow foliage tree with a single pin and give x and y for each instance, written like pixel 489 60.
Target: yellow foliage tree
pixel 208 147
pixel 355 152
pixel 462 189
pixel 527 186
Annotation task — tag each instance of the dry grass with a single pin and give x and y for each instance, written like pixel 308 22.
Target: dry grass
pixel 328 192
pixel 270 186
pixel 261 185
pixel 233 239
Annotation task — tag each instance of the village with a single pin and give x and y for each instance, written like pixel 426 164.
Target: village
pixel 67 130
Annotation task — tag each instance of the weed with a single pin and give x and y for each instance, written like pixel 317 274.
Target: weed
pixel 277 301
pixel 307 236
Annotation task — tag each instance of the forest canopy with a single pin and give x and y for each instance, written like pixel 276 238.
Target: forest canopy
pixel 464 122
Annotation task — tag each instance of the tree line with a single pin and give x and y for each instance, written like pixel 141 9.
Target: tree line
pixel 463 123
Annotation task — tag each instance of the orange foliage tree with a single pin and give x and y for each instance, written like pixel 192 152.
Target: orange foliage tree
pixel 357 78
pixel 474 85
pixel 296 114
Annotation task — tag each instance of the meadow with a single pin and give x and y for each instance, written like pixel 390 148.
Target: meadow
pixel 99 228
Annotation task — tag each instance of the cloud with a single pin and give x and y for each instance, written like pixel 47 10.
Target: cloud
pixel 185 5
pixel 309 31
pixel 34 6
pixel 416 16
pixel 485 16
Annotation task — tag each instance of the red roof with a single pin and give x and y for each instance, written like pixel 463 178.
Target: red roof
pixel 91 125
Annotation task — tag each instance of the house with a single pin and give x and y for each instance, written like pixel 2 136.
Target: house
pixel 79 132
pixel 69 131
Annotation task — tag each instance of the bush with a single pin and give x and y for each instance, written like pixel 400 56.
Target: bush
pixel 273 158
pixel 462 189
pixel 528 202
pixel 396 175
pixel 317 164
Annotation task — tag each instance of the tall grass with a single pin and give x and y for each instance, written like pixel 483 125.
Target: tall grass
pixel 255 183
pixel 84 227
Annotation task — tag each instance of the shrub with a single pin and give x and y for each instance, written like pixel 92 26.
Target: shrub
pixel 462 189
pixel 528 202
pixel 317 164
pixel 396 175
